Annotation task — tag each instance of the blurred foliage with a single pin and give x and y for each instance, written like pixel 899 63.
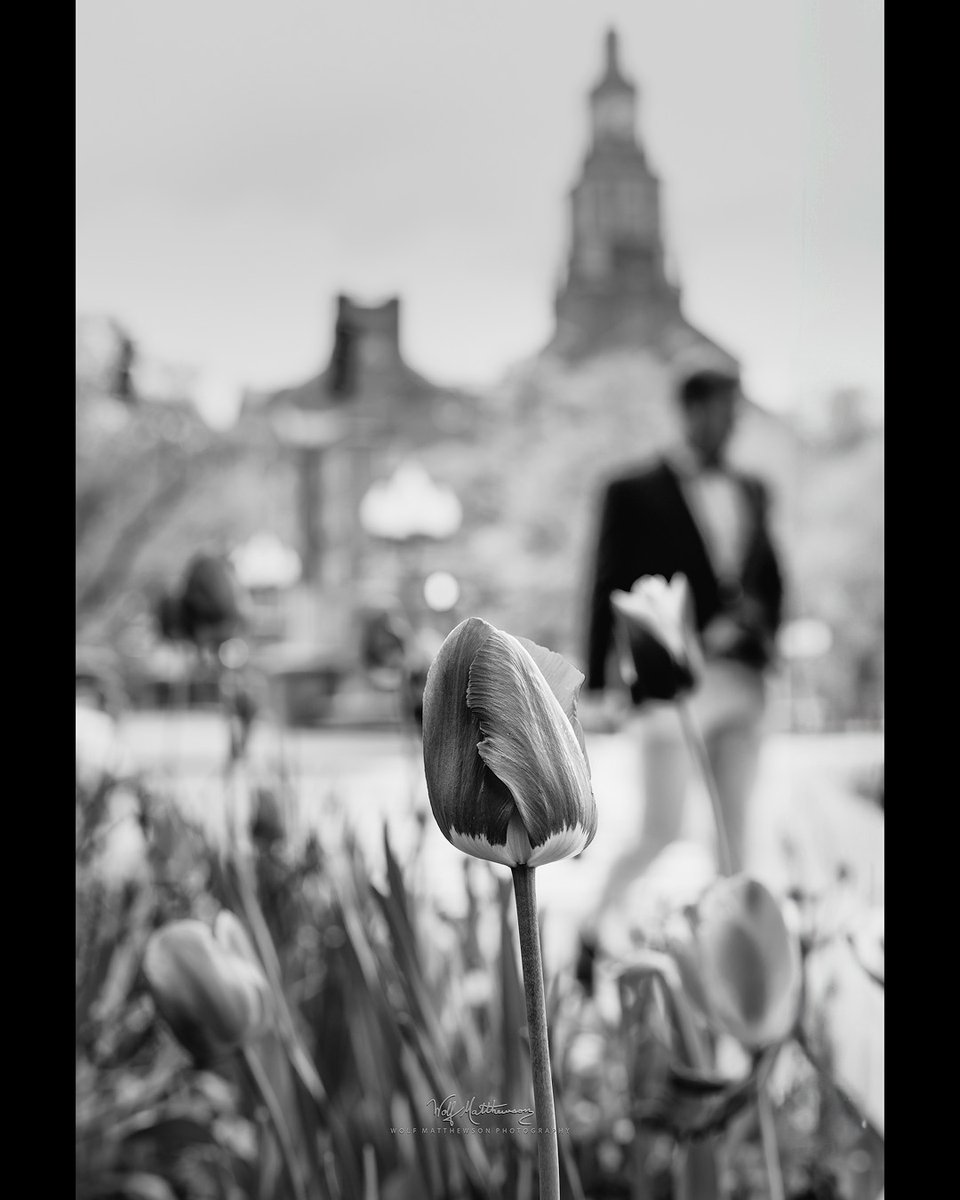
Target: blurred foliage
pixel 154 484
pixel 839 570
pixel 385 1001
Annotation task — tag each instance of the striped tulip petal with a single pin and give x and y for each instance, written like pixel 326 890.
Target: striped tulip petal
pixel 506 769
pixel 468 801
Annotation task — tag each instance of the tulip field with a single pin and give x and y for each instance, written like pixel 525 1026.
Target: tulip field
pixel 273 1009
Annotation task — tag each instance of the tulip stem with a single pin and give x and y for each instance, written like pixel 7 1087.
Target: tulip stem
pixel 768 1138
pixel 698 749
pixel 262 1087
pixel 525 890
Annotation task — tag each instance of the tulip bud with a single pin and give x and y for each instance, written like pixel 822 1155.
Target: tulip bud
pixel 659 656
pixel 749 962
pixel 503 751
pixel 209 989
pixel 267 823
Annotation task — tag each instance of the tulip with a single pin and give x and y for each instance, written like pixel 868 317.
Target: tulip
pixel 504 756
pixel 660 659
pixel 508 781
pixel 207 986
pixel 749 962
pixel 212 992
pixel 267 823
pixel 674 1083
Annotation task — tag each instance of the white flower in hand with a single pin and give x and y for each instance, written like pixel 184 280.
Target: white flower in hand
pixel 660 658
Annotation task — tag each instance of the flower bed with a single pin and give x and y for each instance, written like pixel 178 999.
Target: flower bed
pixel 384 1003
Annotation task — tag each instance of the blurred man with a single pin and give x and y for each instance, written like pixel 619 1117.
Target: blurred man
pixel 688 512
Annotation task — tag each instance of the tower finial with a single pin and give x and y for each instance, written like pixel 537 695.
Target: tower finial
pixel 612 64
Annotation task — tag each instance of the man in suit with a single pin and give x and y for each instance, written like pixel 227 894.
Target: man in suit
pixel 688 512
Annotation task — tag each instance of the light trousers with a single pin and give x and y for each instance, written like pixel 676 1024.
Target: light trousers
pixel 728 709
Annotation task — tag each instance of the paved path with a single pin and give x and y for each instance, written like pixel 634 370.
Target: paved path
pixel 803 826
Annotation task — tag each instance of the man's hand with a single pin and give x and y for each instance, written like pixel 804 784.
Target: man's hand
pixel 721 635
pixel 600 712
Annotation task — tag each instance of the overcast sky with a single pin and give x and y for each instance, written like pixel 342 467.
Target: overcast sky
pixel 239 162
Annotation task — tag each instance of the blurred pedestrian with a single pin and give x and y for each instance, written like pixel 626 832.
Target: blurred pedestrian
pixel 689 512
pixel 211 602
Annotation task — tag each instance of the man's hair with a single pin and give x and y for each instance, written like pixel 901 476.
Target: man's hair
pixel 705 385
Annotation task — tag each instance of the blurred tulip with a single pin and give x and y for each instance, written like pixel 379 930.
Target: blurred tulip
pixel 267 825
pixel 208 987
pixel 680 943
pixel 422 648
pixel 383 644
pixel 749 962
pixel 660 658
pixel 506 768
pixel 674 1085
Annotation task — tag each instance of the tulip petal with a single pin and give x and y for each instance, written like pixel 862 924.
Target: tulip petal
pixel 750 961
pixel 657 620
pixel 211 998
pixel 230 933
pixel 471 805
pixel 564 680
pixel 245 965
pixel 658 608
pixel 179 966
pixel 530 744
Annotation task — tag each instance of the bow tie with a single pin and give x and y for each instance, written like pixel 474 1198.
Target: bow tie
pixel 689 464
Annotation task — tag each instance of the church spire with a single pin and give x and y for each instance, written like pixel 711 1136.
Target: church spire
pixel 613 100
pixel 613 74
pixel 619 291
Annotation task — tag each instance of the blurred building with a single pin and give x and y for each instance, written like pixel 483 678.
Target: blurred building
pixel 619 292
pixel 349 425
pixel 341 432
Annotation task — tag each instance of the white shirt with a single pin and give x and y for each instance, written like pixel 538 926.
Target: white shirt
pixel 719 509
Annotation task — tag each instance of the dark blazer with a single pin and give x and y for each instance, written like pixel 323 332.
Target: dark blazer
pixel 646 528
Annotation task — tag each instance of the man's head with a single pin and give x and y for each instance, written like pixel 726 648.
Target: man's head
pixel 708 402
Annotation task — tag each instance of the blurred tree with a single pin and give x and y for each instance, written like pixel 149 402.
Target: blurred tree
pixel 154 485
pixel 840 570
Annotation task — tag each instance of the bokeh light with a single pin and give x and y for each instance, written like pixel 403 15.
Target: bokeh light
pixel 234 654
pixel 441 591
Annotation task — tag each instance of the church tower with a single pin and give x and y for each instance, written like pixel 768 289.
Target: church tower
pixel 617 293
